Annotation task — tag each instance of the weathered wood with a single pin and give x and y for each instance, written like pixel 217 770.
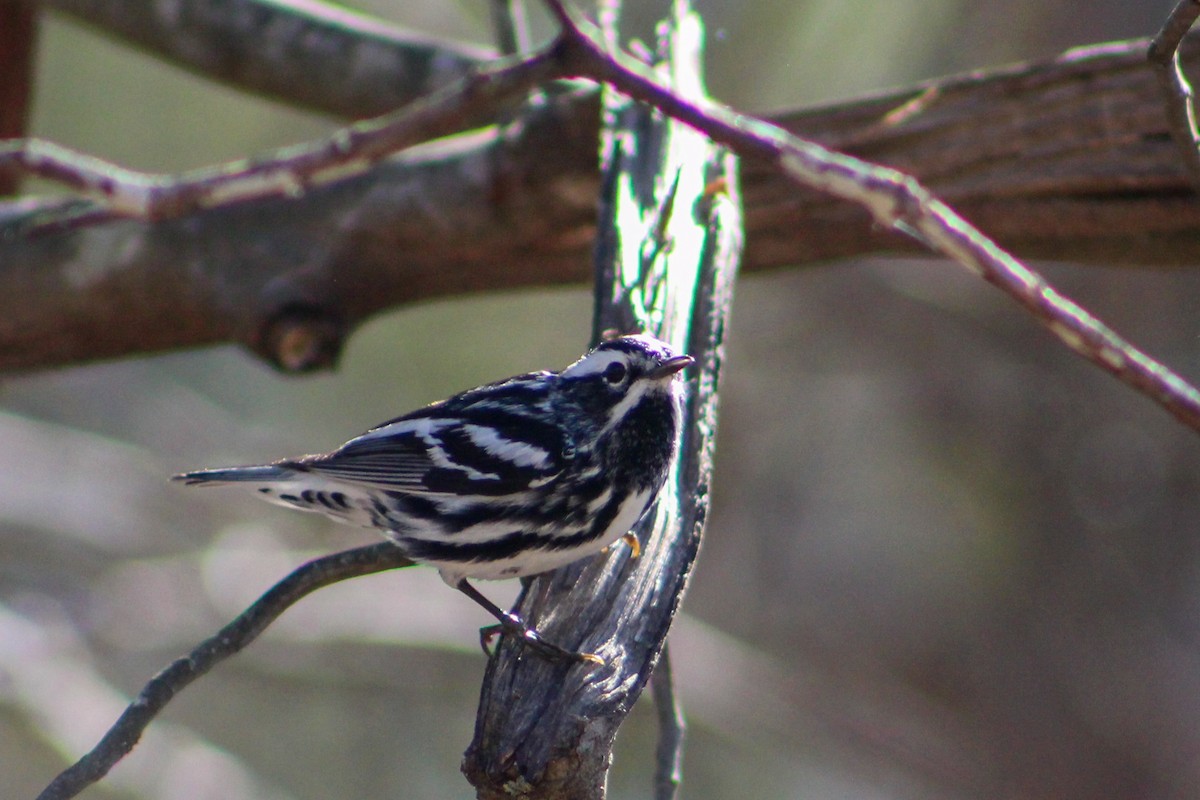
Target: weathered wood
pixel 1035 155
pixel 667 254
pixel 1069 159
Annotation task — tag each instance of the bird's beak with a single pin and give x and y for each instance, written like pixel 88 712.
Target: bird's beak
pixel 671 366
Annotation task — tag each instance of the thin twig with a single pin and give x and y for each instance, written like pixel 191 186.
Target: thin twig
pixel 154 696
pixel 668 771
pixel 289 172
pixel 508 21
pixel 896 201
pixel 1163 55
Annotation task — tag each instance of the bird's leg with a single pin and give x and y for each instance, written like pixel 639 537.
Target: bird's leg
pixel 513 625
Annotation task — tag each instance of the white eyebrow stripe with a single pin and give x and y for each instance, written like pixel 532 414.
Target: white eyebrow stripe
pixel 521 454
pixel 594 363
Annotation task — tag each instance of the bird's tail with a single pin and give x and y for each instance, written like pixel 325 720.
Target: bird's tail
pixel 267 473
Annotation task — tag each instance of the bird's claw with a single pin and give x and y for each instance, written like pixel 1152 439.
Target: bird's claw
pixel 635 547
pixel 530 638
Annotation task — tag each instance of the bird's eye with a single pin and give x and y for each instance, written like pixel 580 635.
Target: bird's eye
pixel 615 372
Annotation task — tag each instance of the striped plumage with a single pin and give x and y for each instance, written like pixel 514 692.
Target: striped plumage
pixel 509 479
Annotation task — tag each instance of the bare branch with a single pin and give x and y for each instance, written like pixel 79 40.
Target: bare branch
pixel 667 254
pixel 154 696
pixel 290 172
pixel 1031 153
pixel 504 753
pixel 1163 53
pixel 668 770
pixel 312 55
pixel 462 215
pixel 920 111
pixel 896 201
pixel 508 21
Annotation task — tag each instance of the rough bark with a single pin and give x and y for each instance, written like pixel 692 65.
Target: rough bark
pixel 1035 155
pixel 666 258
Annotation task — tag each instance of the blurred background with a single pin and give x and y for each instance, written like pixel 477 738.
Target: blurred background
pixel 946 557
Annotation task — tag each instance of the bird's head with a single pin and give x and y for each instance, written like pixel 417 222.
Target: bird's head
pixel 625 361
pixel 611 380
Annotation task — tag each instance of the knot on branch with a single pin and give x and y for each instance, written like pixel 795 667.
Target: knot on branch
pixel 301 337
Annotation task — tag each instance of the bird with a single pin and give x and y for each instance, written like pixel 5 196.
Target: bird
pixel 506 480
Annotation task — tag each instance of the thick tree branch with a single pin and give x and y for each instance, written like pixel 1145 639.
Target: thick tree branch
pixel 1033 154
pixel 302 328
pixel 316 266
pixel 1069 159
pixel 666 260
pixel 312 55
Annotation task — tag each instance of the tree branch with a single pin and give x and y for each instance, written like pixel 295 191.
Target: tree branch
pixel 896 201
pixel 312 55
pixel 1032 153
pixel 1163 54
pixel 666 257
pixel 509 754
pixel 503 209
pixel 154 696
pixel 668 758
pixel 295 170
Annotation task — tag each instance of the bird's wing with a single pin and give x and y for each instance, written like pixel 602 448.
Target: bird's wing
pixel 488 444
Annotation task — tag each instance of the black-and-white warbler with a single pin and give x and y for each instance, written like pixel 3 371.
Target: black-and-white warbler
pixel 505 480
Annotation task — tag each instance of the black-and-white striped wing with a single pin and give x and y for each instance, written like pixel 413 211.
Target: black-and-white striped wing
pixel 490 447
